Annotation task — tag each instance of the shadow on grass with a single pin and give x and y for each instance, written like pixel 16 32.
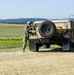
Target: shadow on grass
pixel 54 50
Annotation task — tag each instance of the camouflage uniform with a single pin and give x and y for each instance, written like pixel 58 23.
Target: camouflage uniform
pixel 26 35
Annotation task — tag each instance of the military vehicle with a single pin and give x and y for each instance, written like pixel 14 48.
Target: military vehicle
pixel 59 32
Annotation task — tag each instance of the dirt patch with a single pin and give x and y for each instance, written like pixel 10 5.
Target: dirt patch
pixel 37 63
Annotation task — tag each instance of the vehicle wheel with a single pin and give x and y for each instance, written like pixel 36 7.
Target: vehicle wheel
pixel 47 29
pixel 47 46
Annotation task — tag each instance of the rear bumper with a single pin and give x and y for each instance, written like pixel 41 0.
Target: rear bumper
pixel 42 40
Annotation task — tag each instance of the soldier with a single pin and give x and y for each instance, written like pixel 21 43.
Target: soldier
pixel 26 34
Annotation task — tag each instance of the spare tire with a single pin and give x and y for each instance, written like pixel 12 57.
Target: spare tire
pixel 47 29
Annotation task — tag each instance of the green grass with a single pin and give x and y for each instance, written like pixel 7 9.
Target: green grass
pixel 11 31
pixel 10 44
pixel 55 46
pixel 11 36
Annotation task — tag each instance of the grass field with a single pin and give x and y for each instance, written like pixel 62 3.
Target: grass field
pixel 11 31
pixel 11 35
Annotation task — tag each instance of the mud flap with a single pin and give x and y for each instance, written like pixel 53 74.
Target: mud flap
pixel 67 44
pixel 67 47
pixel 33 46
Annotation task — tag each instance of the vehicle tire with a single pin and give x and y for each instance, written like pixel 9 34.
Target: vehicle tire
pixel 47 29
pixel 47 46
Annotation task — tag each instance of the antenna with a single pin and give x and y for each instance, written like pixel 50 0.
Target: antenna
pixel 71 16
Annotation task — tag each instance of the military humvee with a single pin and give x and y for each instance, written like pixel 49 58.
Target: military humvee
pixel 60 32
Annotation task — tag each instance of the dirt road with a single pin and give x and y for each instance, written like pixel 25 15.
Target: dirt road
pixel 37 63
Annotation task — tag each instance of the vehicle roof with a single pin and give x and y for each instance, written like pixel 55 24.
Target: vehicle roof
pixel 55 20
pixel 67 19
